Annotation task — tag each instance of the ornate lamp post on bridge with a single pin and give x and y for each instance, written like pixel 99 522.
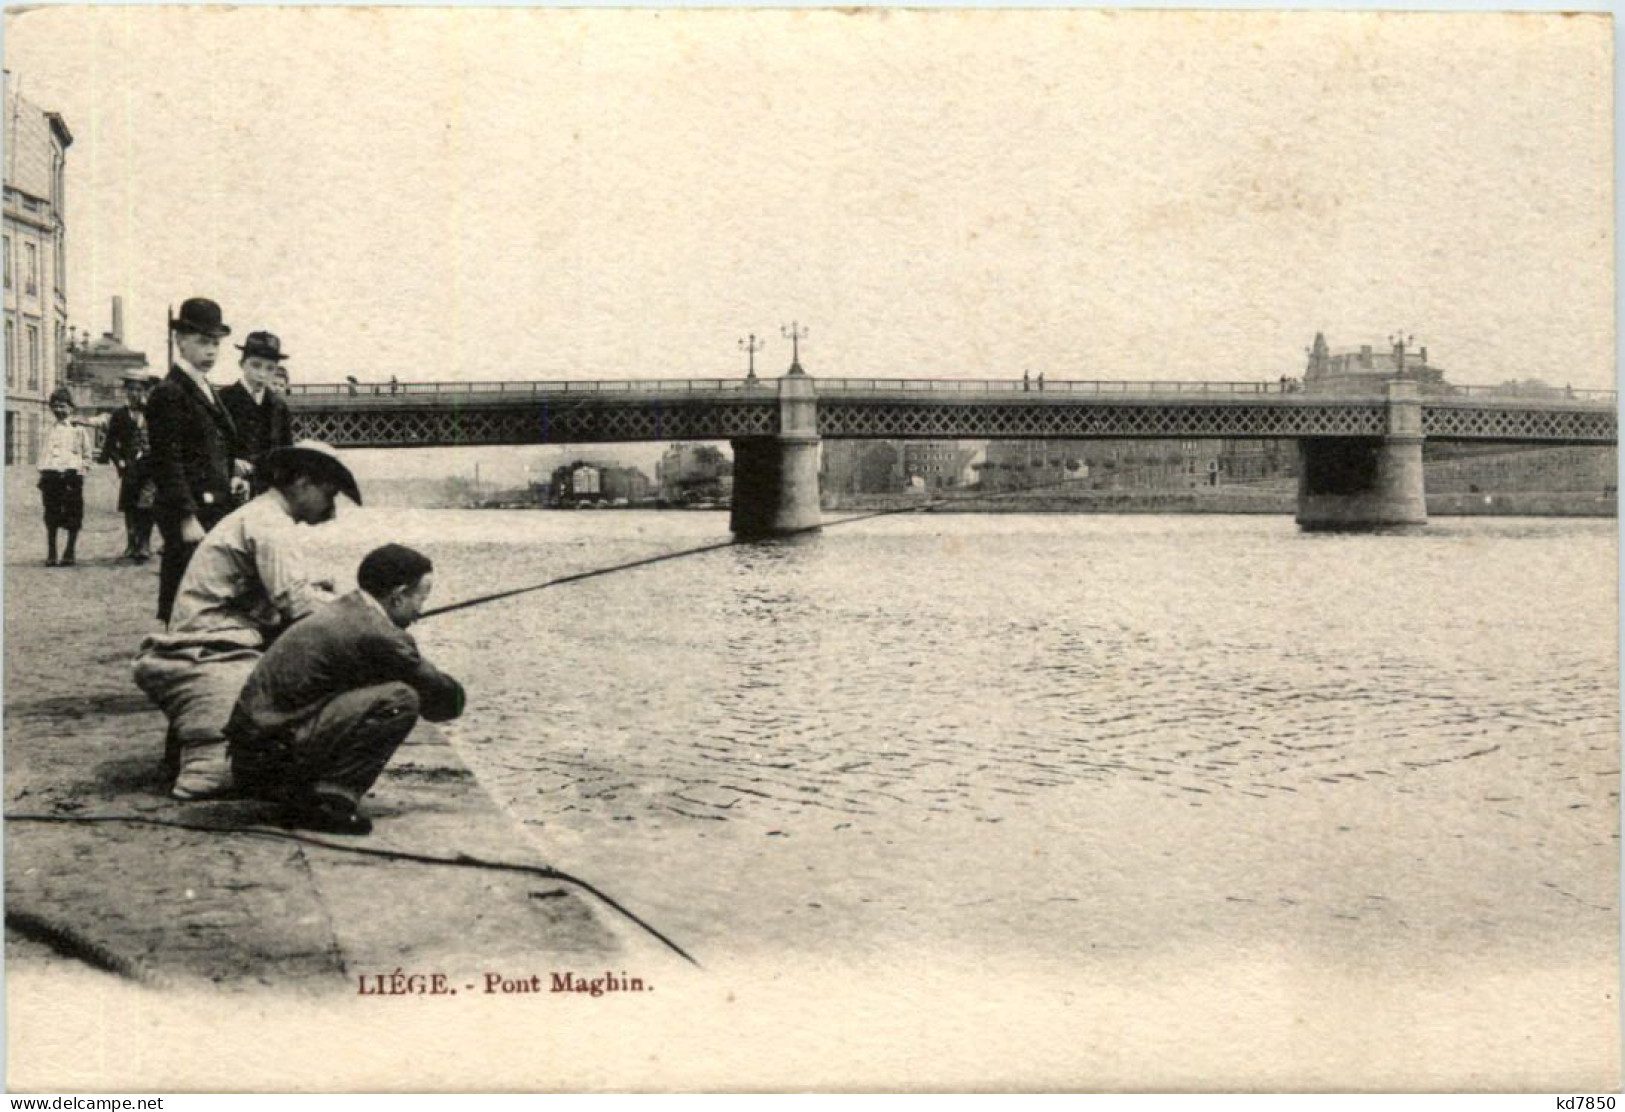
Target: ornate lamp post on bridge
pixel 752 346
pixel 795 335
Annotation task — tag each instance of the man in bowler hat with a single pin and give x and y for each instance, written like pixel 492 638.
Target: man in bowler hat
pixel 256 408
pixel 194 442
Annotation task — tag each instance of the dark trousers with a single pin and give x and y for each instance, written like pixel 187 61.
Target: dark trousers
pixel 137 532
pixel 340 751
pixel 63 493
pixel 177 554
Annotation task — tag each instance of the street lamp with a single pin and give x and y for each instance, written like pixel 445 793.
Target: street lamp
pixel 751 346
pixel 795 335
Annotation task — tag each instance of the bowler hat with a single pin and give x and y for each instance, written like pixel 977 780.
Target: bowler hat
pixel 315 459
pixel 137 374
pixel 263 344
pixel 200 315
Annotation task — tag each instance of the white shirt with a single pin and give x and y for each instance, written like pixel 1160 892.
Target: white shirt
pixel 247 578
pixel 198 377
pixel 66 448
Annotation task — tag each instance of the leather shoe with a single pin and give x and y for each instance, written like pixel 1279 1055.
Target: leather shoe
pixel 329 814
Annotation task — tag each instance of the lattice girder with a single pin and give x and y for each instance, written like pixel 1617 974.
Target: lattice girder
pixel 1530 424
pixel 595 422
pixel 900 420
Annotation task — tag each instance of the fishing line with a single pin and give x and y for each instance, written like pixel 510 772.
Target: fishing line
pixel 462 860
pixel 924 507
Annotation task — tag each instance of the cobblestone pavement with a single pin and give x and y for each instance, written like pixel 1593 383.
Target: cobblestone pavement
pixel 243 908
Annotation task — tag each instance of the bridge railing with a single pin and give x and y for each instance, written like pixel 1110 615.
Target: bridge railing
pixel 1050 386
pixel 767 389
pixel 1538 393
pixel 539 386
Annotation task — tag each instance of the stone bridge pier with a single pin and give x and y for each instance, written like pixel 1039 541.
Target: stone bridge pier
pixel 1366 482
pixel 776 477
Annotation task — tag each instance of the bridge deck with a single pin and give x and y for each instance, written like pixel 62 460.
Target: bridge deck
pixel 543 412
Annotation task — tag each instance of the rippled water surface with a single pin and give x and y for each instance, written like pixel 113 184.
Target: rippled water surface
pixel 873 708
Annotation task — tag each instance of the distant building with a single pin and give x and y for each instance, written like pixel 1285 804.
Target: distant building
pixel 694 473
pixel 860 467
pixel 934 464
pixel 1365 370
pixel 1020 464
pixel 97 368
pixel 625 484
pixel 36 300
pixel 1132 464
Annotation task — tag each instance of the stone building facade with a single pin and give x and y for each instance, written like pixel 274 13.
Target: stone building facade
pixel 36 299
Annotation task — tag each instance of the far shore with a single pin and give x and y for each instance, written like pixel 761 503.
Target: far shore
pixel 1220 501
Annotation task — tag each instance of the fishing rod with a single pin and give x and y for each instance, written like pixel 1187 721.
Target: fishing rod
pixel 924 507
pixel 462 860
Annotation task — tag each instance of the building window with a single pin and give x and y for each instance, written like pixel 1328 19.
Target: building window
pixel 33 357
pixel 59 256
pixel 8 262
pixel 31 270
pixel 11 354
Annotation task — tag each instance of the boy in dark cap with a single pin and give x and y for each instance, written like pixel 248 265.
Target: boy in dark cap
pixel 329 703
pixel 63 462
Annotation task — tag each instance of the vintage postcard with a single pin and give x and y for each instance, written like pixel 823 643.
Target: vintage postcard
pixel 812 549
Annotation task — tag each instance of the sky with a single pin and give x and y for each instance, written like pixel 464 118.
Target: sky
pixel 522 194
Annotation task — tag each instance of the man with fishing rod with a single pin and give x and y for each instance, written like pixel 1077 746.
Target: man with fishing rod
pixel 245 583
pixel 329 703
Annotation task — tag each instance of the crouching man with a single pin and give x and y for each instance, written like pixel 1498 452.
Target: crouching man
pixel 329 703
pixel 246 582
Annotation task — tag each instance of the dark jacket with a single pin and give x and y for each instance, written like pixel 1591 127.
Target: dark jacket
pixel 343 646
pixel 261 425
pixel 193 444
pixel 129 450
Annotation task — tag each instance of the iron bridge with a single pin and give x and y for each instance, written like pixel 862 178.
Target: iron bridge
pixel 427 414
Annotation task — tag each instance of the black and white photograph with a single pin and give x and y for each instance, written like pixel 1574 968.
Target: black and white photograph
pixel 809 550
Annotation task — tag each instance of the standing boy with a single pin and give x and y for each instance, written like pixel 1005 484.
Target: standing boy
pixel 64 460
pixel 257 409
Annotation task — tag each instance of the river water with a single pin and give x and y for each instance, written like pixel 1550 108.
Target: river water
pixel 1046 735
